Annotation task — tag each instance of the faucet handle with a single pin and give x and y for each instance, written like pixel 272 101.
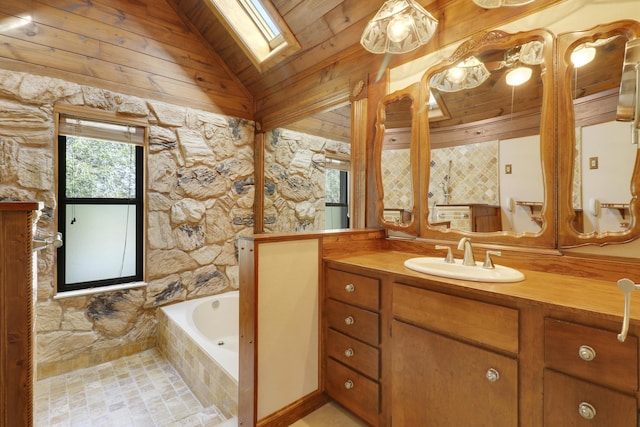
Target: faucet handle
pixel 449 258
pixel 488 263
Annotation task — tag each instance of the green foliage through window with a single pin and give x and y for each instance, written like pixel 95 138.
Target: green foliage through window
pixel 100 169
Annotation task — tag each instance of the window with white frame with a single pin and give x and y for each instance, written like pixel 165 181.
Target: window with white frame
pixel 100 203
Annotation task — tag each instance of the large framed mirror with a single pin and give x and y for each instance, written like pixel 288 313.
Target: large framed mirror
pixel 396 154
pixel 489 137
pixel 600 168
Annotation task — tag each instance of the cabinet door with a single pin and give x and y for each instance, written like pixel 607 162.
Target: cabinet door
pixel 572 402
pixel 438 381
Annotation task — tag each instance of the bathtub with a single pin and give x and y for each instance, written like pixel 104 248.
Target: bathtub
pixel 200 339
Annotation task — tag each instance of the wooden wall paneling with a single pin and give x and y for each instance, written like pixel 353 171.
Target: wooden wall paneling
pixel 359 121
pixel 258 173
pixel 105 44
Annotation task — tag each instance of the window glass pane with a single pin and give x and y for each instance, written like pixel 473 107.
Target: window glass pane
pixel 332 190
pixel 100 242
pixel 100 169
pixel 336 217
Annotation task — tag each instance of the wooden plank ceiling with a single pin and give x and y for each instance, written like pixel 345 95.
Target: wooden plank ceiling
pixel 331 59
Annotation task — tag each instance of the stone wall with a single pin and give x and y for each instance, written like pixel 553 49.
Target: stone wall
pixel 294 169
pixel 200 196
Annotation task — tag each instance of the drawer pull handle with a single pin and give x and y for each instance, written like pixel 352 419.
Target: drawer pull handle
pixel 492 375
pixel 348 384
pixel 587 353
pixel 349 320
pixel 350 288
pixel 349 352
pixel 587 411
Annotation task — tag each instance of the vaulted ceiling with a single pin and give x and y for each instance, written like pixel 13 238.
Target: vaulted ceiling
pixel 331 57
pixel 324 28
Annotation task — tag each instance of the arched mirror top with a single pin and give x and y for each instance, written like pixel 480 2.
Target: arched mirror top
pixel 600 177
pixel 485 135
pixel 395 154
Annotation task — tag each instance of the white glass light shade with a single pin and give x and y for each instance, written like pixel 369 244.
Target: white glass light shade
pixel 582 55
pixel 468 74
pixel 400 26
pixel 518 76
pixel 492 4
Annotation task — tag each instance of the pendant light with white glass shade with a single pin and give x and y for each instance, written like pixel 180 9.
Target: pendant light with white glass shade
pixel 400 26
pixel 493 4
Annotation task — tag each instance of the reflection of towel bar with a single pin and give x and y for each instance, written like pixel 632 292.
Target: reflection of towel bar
pixel 453 215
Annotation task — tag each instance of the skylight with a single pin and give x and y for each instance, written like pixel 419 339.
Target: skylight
pixel 258 28
pixel 261 18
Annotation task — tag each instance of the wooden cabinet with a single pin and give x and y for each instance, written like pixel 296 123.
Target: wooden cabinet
pixel 572 402
pixel 590 377
pixel 402 350
pixel 17 311
pixel 440 380
pixel 486 218
pixel 352 333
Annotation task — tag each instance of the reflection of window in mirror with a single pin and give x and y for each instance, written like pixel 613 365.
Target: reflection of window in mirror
pixel 336 193
pixel 299 161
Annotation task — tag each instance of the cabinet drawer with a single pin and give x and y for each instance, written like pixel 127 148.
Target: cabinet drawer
pixel 353 353
pixel 353 321
pixel 476 321
pixel 592 354
pixel 571 402
pixel 354 391
pixel 353 289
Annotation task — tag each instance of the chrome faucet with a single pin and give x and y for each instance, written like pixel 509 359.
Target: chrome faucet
pixel 468 259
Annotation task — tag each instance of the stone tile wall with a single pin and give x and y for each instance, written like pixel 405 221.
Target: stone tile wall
pixel 200 196
pixel 294 169
pixel 474 174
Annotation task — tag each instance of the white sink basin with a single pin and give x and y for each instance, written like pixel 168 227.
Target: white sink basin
pixel 437 267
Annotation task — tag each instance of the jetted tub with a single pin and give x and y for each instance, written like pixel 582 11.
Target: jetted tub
pixel 200 339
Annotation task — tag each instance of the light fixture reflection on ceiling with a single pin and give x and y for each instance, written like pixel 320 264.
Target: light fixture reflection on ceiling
pixel 400 26
pixel 518 76
pixel 492 4
pixel 586 52
pixel 582 55
pixel 468 74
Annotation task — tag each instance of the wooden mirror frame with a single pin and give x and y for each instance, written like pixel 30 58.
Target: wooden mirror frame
pixel 546 238
pixel 413 93
pixel 568 236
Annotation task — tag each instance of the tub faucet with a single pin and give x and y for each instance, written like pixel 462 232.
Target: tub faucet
pixel 468 259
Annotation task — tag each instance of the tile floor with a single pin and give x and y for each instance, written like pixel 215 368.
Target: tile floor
pixel 142 390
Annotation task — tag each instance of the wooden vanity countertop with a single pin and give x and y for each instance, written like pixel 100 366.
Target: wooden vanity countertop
pixel 598 297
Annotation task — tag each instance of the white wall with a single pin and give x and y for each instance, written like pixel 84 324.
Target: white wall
pixel 524 183
pixel 611 144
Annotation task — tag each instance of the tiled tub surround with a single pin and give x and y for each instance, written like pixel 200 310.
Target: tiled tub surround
pixel 204 352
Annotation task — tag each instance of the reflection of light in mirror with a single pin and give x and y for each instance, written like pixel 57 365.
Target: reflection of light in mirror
pixel 468 74
pixel 582 55
pixel 518 76
pixel 456 74
pixel 20 22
